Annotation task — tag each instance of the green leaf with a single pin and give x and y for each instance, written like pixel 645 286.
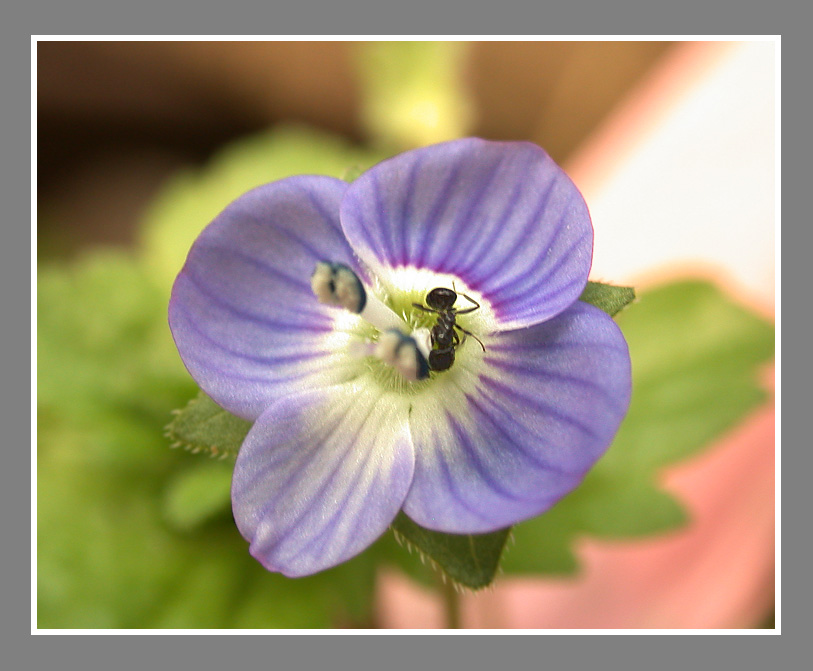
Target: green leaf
pixel 193 198
pixel 695 360
pixel 203 426
pixel 470 560
pixel 611 299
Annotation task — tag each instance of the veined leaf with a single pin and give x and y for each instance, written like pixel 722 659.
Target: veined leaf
pixel 203 426
pixel 469 559
pixel 607 297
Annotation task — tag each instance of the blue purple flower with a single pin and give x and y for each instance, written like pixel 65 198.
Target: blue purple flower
pixel 302 307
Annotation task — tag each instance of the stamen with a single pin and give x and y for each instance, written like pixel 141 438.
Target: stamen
pixel 379 315
pixel 336 284
pixel 402 353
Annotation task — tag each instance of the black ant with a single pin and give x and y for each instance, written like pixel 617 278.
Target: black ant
pixel 444 337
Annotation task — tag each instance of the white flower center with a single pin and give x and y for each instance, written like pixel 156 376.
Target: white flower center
pixel 402 338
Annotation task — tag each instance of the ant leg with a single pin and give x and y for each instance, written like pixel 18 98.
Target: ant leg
pixel 457 326
pixel 467 310
pixel 424 308
pixel 469 299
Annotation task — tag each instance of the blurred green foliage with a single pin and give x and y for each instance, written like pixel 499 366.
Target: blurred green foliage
pixel 414 93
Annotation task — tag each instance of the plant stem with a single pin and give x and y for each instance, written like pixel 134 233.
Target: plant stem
pixel 451 602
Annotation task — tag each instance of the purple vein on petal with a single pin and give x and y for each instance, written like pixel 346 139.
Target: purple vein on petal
pixel 391 228
pixel 230 373
pixel 487 243
pixel 544 408
pixel 329 218
pixel 479 245
pixel 200 286
pixel 271 462
pixel 341 508
pixel 531 223
pixel 406 212
pixel 263 267
pixel 283 358
pixel 290 481
pixel 533 264
pixel 550 290
pixel 570 379
pixel 325 483
pixel 520 238
pixel 453 491
pixel 500 428
pixel 564 258
pixel 288 233
pixel 419 254
pixel 465 215
pixel 549 347
pixel 380 214
pixel 522 288
pixel 229 370
pixel 364 228
pixel 476 461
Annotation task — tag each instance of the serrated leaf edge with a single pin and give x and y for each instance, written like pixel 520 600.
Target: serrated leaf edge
pixel 213 451
pixel 458 586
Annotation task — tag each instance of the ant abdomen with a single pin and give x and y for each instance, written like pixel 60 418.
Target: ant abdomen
pixel 441 359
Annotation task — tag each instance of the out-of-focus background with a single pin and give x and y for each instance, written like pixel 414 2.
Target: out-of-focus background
pixel 116 118
pixel 672 145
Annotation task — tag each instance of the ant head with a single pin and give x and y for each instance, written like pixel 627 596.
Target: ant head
pixel 441 298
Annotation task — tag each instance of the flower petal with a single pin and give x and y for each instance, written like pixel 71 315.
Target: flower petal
pixel 243 314
pixel 501 216
pixel 320 476
pixel 540 414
